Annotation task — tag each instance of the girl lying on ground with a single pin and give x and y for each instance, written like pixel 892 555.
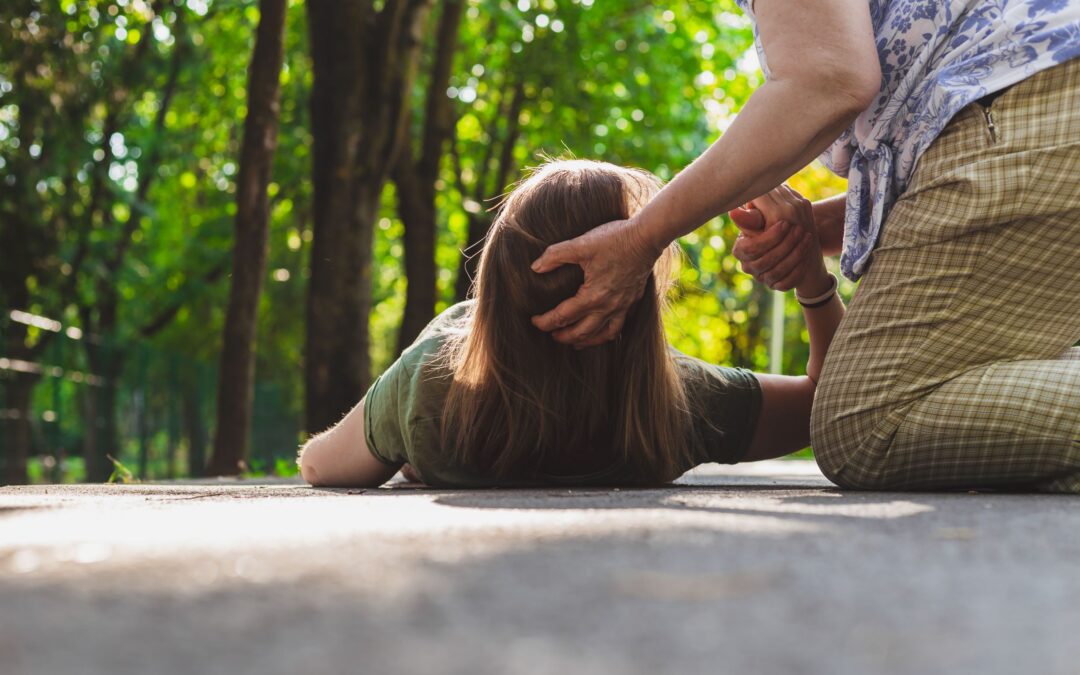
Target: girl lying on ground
pixel 484 398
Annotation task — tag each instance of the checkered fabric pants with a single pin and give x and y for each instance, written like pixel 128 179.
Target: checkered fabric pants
pixel 955 366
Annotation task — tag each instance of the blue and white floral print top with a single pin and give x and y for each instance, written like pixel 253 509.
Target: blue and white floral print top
pixel 937 56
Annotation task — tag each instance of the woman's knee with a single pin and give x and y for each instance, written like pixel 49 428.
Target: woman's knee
pixel 830 446
pixel 839 435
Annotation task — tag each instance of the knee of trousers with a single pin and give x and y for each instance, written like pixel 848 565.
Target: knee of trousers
pixel 831 447
pixel 839 436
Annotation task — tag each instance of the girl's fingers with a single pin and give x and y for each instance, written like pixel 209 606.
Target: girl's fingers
pixel 792 279
pixel 755 246
pixel 748 220
pixel 769 259
pixel 783 267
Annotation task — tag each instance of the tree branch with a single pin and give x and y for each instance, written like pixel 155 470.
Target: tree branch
pixel 439 115
pixel 164 317
pixel 513 130
pixel 146 174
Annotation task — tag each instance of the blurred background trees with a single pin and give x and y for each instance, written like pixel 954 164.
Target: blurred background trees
pixel 401 122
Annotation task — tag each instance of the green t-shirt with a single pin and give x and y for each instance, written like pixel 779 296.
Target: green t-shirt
pixel 403 408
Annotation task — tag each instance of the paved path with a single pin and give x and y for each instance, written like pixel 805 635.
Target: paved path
pixel 759 570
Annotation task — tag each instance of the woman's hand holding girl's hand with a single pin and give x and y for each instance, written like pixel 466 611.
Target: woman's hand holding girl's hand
pixel 778 242
pixel 617 261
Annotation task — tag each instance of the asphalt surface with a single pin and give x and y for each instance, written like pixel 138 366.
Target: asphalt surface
pixel 766 569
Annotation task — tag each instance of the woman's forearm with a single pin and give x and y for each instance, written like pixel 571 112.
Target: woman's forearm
pixel 784 423
pixel 817 86
pixel 781 129
pixel 823 72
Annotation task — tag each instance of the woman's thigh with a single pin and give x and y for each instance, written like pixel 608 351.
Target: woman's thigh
pixel 979 264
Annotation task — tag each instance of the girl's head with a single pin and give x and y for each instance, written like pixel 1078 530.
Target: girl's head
pixel 522 405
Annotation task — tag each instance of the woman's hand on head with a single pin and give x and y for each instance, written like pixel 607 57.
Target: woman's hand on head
pixel 778 242
pixel 617 260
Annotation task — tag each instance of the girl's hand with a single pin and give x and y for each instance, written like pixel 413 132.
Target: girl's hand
pixel 778 242
pixel 409 474
pixel 617 261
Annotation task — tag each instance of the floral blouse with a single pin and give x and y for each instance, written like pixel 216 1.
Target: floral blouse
pixel 937 56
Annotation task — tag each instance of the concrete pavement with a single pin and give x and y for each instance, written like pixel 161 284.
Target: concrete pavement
pixel 757 569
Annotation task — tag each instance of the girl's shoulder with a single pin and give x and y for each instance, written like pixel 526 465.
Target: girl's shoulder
pixel 724 404
pixel 403 405
pixel 429 347
pixel 454 320
pixel 697 374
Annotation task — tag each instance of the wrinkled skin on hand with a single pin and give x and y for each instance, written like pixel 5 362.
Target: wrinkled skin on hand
pixel 778 245
pixel 617 261
pixel 778 242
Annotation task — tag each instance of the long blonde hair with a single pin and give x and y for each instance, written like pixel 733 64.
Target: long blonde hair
pixel 522 405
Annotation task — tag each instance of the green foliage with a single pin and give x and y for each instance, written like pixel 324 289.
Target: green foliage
pixel 120 473
pixel 282 467
pixel 87 154
pixel 630 83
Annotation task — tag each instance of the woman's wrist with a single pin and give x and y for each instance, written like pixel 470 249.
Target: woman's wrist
pixel 648 241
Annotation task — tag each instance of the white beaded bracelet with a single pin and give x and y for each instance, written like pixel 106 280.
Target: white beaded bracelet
pixel 819 300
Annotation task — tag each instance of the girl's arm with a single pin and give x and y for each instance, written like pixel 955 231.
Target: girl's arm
pixel 829 220
pixel 339 456
pixel 783 426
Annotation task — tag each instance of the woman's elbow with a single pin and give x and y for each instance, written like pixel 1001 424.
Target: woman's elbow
pixel 856 84
pixel 844 88
pixel 864 93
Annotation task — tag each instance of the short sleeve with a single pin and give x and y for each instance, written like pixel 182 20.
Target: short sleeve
pixel 740 412
pixel 383 428
pixel 725 404
pixel 402 407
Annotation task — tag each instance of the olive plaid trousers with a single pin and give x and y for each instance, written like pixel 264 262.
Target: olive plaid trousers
pixel 955 366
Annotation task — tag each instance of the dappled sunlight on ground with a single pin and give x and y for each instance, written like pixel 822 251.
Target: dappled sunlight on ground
pixel 763 568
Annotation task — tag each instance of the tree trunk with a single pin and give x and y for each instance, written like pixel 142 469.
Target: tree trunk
pixel 416 206
pixel 106 364
pixel 482 194
pixel 142 429
pixel 90 416
pixel 173 403
pixel 237 370
pixel 18 389
pixel 470 254
pixel 333 314
pixel 17 438
pixel 416 178
pixel 364 63
pixel 98 469
pixel 195 430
